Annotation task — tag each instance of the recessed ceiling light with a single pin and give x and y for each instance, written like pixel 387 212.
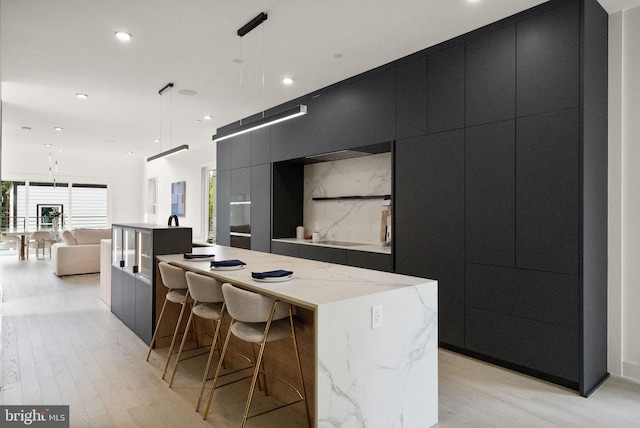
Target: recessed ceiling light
pixel 82 96
pixel 123 35
pixel 156 140
pixel 188 92
pixel 57 128
pixel 129 153
pixel 47 144
pixel 287 81
pixel 207 117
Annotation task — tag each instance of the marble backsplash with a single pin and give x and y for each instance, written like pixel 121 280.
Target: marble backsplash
pixel 356 220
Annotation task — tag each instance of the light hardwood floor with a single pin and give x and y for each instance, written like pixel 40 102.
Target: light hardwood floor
pixel 60 344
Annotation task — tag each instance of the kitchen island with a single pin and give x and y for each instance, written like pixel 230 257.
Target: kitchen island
pixel 363 375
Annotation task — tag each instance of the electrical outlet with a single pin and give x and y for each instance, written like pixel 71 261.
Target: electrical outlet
pixel 376 316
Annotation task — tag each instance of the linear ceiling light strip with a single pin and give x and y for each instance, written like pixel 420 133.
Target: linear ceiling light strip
pixel 265 121
pixel 169 152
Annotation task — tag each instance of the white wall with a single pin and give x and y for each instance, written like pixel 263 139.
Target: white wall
pixel 183 166
pixel 121 173
pixel 624 194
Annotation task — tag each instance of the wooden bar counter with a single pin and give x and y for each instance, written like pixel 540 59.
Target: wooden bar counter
pixel 355 374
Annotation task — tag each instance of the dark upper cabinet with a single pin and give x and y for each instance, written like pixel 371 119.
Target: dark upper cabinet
pixel 491 77
pixel 240 185
pixel 240 151
pixel 223 199
pixel 261 207
pixel 261 146
pixel 429 219
pixel 490 187
pixel 411 99
pixel 223 157
pixel 349 115
pixel 446 89
pixel 548 192
pixel 548 61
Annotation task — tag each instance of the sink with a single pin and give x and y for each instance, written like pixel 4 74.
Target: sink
pixel 340 243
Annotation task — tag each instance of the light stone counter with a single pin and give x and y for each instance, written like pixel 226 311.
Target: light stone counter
pixel 374 377
pixel 370 248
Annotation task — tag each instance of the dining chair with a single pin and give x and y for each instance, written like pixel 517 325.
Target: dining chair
pixel 40 239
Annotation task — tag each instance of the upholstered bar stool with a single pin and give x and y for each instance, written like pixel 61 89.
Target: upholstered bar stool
pixel 208 303
pixel 174 279
pixel 258 319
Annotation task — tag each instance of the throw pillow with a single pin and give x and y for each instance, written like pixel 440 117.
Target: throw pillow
pixel 68 237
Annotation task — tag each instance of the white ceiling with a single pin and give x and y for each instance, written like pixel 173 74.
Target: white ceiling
pixel 51 50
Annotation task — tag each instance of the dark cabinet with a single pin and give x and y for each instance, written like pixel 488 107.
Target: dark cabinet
pixel 491 77
pixel 548 192
pixel 355 113
pixel 261 146
pixel 285 249
pixel 548 61
pixel 261 208
pixel 323 254
pixel 223 211
pixel 223 153
pixel 240 151
pixel 490 199
pixel 446 89
pixel 411 99
pixel 133 271
pixel 429 210
pixel 367 260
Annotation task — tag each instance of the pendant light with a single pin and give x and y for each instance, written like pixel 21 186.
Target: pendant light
pixel 264 121
pixel 171 150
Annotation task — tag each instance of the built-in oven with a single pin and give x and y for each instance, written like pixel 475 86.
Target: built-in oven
pixel 240 221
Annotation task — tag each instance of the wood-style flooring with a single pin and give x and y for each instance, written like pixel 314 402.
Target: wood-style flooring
pixel 60 344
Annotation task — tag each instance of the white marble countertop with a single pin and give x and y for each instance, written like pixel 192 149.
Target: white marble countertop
pixel 313 284
pixel 370 248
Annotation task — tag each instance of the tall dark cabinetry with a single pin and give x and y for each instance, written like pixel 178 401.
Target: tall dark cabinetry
pixel 510 215
pixel 500 182
pixel 244 175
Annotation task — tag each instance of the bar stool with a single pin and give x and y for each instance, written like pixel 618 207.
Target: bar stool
pixel 174 279
pixel 258 319
pixel 208 303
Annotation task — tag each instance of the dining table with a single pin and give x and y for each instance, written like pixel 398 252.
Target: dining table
pixel 23 235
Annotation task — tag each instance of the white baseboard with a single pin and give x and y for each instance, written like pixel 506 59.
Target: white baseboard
pixel 631 371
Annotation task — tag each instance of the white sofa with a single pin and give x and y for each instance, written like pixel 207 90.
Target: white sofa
pixel 79 252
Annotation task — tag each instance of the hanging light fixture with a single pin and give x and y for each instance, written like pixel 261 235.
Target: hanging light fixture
pixel 171 150
pixel 264 121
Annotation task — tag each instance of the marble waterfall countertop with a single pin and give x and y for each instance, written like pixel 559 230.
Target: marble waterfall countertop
pixel 333 243
pixel 365 375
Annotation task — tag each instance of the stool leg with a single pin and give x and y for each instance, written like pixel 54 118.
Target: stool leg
pixel 214 342
pixel 175 334
pixel 295 348
pixel 155 333
pixel 215 378
pixel 184 339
